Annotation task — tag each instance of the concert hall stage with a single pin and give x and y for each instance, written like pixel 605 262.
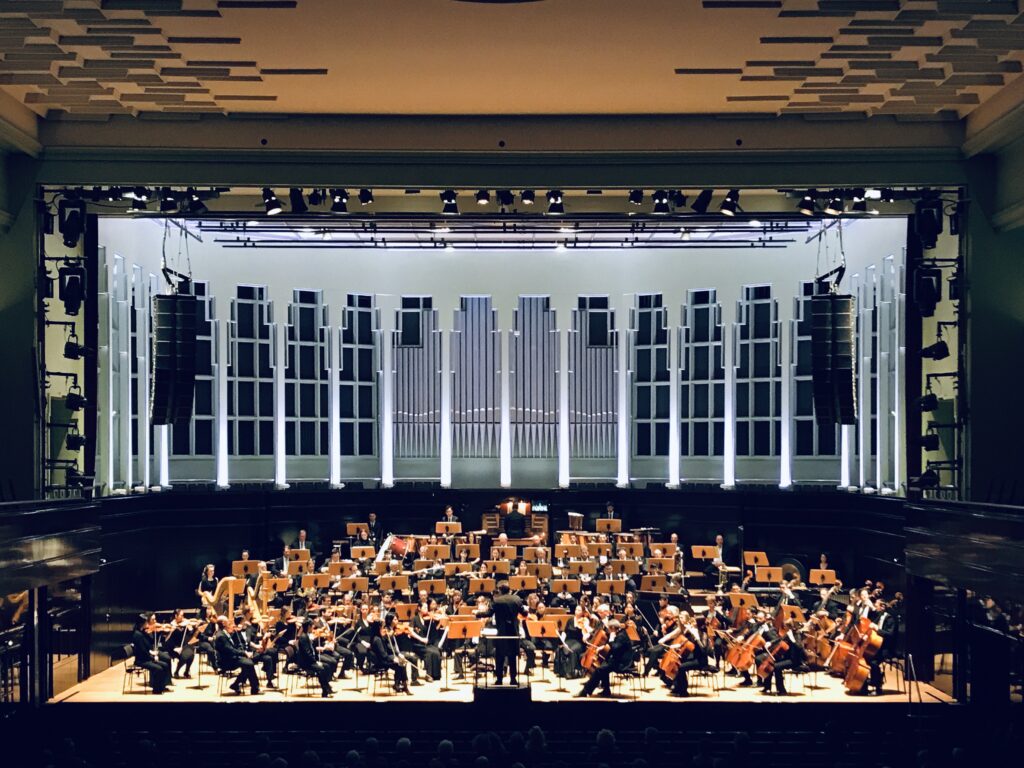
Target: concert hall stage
pixel 106 687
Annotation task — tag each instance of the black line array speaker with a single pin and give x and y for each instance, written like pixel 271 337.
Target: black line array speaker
pixel 833 362
pixel 174 358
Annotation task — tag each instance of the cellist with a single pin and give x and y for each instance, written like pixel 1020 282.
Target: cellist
pixel 670 630
pixel 696 659
pixel 886 623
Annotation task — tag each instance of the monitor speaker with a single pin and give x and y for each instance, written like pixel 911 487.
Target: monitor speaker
pixel 833 366
pixel 174 358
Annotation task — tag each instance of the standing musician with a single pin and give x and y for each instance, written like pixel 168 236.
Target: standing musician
pixel 308 660
pixel 886 623
pixel 207 587
pixel 696 659
pixel 375 529
pixel 231 656
pixel 619 658
pixel 147 655
pixel 507 610
pixel 448 516
pixel 178 644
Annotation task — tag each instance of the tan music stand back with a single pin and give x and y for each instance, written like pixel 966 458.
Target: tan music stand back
pixel 465 630
pixel 599 548
pixel 667 564
pixel 768 574
pixel 393 583
pixel 316 581
pixel 577 567
pixel 354 584
pixel 450 569
pixel 476 586
pixel 363 552
pixel 531 554
pixel 277 584
pixel 743 600
pixel 611 587
pixel 657 583
pixel 755 558
pixel 354 529
pixel 668 549
pixel 819 576
pixel 628 567
pixel 704 552
pixel 472 550
pixel 447 529
pixel 567 551
pixel 404 611
pixel 794 612
pixel 522 583
pixel 243 568
pixel 540 570
pixel 421 565
pixel 604 525
pixel 503 553
pixel 432 586
pixel 438 552
pixel 298 554
pixel 633 548
pixel 298 567
pixel 572 586
pixel 341 568
pixel 545 628
pixel 497 566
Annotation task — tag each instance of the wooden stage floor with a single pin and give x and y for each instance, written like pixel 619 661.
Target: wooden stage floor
pixel 105 687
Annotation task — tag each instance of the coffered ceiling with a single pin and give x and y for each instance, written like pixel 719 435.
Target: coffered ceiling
pixel 921 58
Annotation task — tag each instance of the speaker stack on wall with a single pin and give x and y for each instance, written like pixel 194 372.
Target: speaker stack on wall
pixel 174 358
pixel 833 363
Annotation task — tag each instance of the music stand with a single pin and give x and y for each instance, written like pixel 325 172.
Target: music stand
pixel 572 586
pixel 611 587
pixel 438 552
pixel 547 629
pixel 667 564
pixel 794 612
pixel 633 548
pixel 657 583
pixel 316 580
pixel 604 525
pixel 668 549
pixel 507 552
pixel 298 554
pixel 628 567
pixel 299 567
pixel 567 551
pixel 600 548
pixel 451 569
pixel 768 574
pixel 362 551
pixel 703 552
pixel 497 566
pixel 577 567
pixel 755 558
pixel 432 586
pixel 476 586
pixel 341 568
pixel 820 576
pixel 354 529
pixel 360 584
pixel 447 529
pixel 472 550
pixel 464 630
pixel 743 600
pixel 522 583
pixel 540 570
pixel 242 568
pixel 404 611
pixel 393 583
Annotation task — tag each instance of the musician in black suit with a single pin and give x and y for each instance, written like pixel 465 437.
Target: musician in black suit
pixel 303 542
pixel 507 610
pixel 698 659
pixel 609 511
pixel 279 566
pixel 886 623
pixel 515 524
pixel 375 529
pixel 385 654
pixel 620 659
pixel 307 660
pixel 788 651
pixel 146 656
pixel 449 516
pixel 231 656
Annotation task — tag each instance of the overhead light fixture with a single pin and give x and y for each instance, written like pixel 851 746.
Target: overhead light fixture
pixel 527 196
pixel 71 221
pixel 703 201
pixel 339 201
pixel 71 287
pixel 860 204
pixel 636 197
pixel 661 201
pixel 806 206
pixel 731 203
pixel 678 199
pixel 270 202
pixel 835 203
pixel 74 400
pixel 937 351
pixel 316 197
pixel 297 200
pixel 887 195
pixel 505 198
pixel 483 197
pixel 555 205
pixel 365 196
pixel 168 200
pixel 138 205
pixel 928 221
pixel 75 441
pixel 930 441
pixel 73 350
pixel 195 205
pixel 449 202
pixel 928 402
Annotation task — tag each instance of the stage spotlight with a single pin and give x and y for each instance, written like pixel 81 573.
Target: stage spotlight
pixel 297 200
pixel 660 198
pixel 195 206
pixel 140 193
pixel 138 205
pixel 555 204
pixel 678 199
pixel 835 203
pixel 636 197
pixel 505 198
pixel 316 197
pixel 339 201
pixel 270 202
pixel 937 351
pixel 927 403
pixel 528 196
pixel 806 205
pixel 928 479
pixel 483 197
pixel 449 202
pixel 731 203
pixel 365 196
pixel 930 441
pixel 74 400
pixel 71 287
pixel 73 350
pixel 700 205
pixel 168 200
pixel 928 221
pixel 887 195
pixel 71 221
pixel 75 441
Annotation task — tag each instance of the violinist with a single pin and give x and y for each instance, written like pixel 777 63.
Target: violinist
pixel 618 658
pixel 147 656
pixel 691 639
pixel 178 646
pixel 425 634
pixel 231 656
pixel 308 660
pixel 384 652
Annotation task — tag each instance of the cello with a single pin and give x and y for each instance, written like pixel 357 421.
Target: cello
pixel 767 666
pixel 857 668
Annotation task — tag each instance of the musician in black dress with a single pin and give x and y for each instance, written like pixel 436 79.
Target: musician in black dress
pixel 384 652
pixel 231 656
pixel 307 659
pixel 619 659
pixel 144 649
pixel 178 644
pixel 208 585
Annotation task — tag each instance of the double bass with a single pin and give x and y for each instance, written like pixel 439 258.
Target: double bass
pixel 857 668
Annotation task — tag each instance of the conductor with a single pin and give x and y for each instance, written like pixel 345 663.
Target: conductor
pixel 507 610
pixel 515 524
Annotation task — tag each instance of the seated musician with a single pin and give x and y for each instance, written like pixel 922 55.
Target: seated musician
pixel 207 587
pixel 303 542
pixel 619 658
pixel 758 624
pixel 231 656
pixel 569 653
pixel 147 655
pixel 384 652
pixel 670 630
pixel 788 651
pixel 178 646
pixel 885 621
pixel 284 631
pixel 260 646
pixel 250 578
pixel 426 633
pixel 279 566
pixel 696 659
pixel 308 660
pixel 334 558
pixel 564 599
pixel 715 617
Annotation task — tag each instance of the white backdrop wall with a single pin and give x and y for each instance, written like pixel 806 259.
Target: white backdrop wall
pixel 131 251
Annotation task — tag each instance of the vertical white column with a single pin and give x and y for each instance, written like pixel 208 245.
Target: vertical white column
pixel 105 389
pixel 622 388
pixel 846 455
pixel 885 413
pixel 279 338
pixel 563 400
pixel 674 335
pixel 505 428
pixel 729 362
pixel 142 305
pixel 446 321
pixel 864 367
pixel 786 331
pixel 334 403
pixel 899 464
pixel 388 307
pixel 220 379
pixel 124 384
